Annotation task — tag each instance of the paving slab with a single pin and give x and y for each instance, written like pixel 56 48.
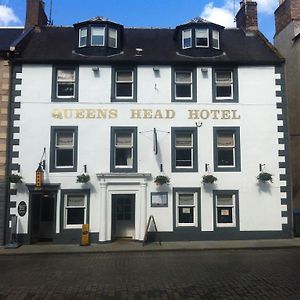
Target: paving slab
pixel 132 246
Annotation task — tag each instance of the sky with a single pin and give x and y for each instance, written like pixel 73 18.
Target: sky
pixel 142 13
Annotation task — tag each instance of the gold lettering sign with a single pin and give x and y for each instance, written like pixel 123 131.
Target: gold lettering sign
pixel 146 114
pixel 215 114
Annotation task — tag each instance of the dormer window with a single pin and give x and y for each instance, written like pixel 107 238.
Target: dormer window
pixel 112 38
pixel 186 38
pixel 82 37
pixel 97 36
pixel 216 39
pixel 202 37
pixel 199 38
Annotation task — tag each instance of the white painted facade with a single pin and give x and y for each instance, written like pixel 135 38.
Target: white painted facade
pixel 260 208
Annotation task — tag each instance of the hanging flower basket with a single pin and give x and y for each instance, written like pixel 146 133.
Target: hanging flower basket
pixel 83 178
pixel 15 178
pixel 209 179
pixel 161 179
pixel 265 177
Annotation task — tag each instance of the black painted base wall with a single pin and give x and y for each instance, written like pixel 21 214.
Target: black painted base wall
pixel 75 238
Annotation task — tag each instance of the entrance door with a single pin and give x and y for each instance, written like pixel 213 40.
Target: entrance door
pixel 42 217
pixel 123 216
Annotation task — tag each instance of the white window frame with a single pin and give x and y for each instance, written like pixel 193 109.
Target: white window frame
pixel 194 206
pixel 227 147
pixel 189 36
pixel 65 82
pixel 57 147
pixel 224 83
pixel 232 206
pixel 115 37
pixel 132 84
pixel 185 83
pixel 216 38
pixel 123 147
pixel 97 27
pixel 80 36
pixel 207 36
pixel 191 148
pixel 74 226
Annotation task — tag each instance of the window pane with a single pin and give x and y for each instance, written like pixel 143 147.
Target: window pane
pixel 124 90
pixel 82 37
pixel 224 76
pixel 224 214
pixel 201 37
pixel 75 200
pixel 225 139
pixel 124 76
pixel 225 157
pixel 97 36
pixel 112 38
pixel 186 214
pixel 186 199
pixel 123 157
pixel 224 91
pixel 124 139
pixel 224 200
pixel 183 139
pixel 183 158
pixel 65 89
pixel 187 38
pixel 65 75
pixel 215 36
pixel 183 91
pixel 75 216
pixel 64 157
pixel 64 139
pixel 183 77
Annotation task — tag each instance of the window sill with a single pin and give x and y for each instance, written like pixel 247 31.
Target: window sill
pixel 67 99
pixel 123 100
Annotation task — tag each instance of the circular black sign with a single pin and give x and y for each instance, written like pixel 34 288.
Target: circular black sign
pixel 22 209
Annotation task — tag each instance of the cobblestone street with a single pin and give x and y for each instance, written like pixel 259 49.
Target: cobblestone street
pixel 234 274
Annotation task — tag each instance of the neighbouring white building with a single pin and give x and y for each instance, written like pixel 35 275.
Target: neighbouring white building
pixel 124 105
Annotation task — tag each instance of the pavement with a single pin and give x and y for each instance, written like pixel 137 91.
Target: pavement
pixel 133 246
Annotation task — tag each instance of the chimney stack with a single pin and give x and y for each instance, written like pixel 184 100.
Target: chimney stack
pixel 288 11
pixel 246 18
pixel 35 14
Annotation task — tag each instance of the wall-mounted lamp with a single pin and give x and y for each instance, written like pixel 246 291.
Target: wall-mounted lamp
pixel 204 70
pixel 96 69
pixel 39 175
pixel 261 166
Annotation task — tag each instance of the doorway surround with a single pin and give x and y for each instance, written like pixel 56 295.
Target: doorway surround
pixel 123 183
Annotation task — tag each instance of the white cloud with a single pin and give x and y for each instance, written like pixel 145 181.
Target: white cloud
pixel 224 15
pixel 7 16
pixel 220 15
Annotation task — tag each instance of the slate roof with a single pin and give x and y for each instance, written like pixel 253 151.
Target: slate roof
pixel 8 36
pixel 58 44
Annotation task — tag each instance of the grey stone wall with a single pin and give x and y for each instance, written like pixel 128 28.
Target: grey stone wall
pixel 290 49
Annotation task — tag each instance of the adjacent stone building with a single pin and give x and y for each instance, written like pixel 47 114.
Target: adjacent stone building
pixel 7 36
pixel 287 41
